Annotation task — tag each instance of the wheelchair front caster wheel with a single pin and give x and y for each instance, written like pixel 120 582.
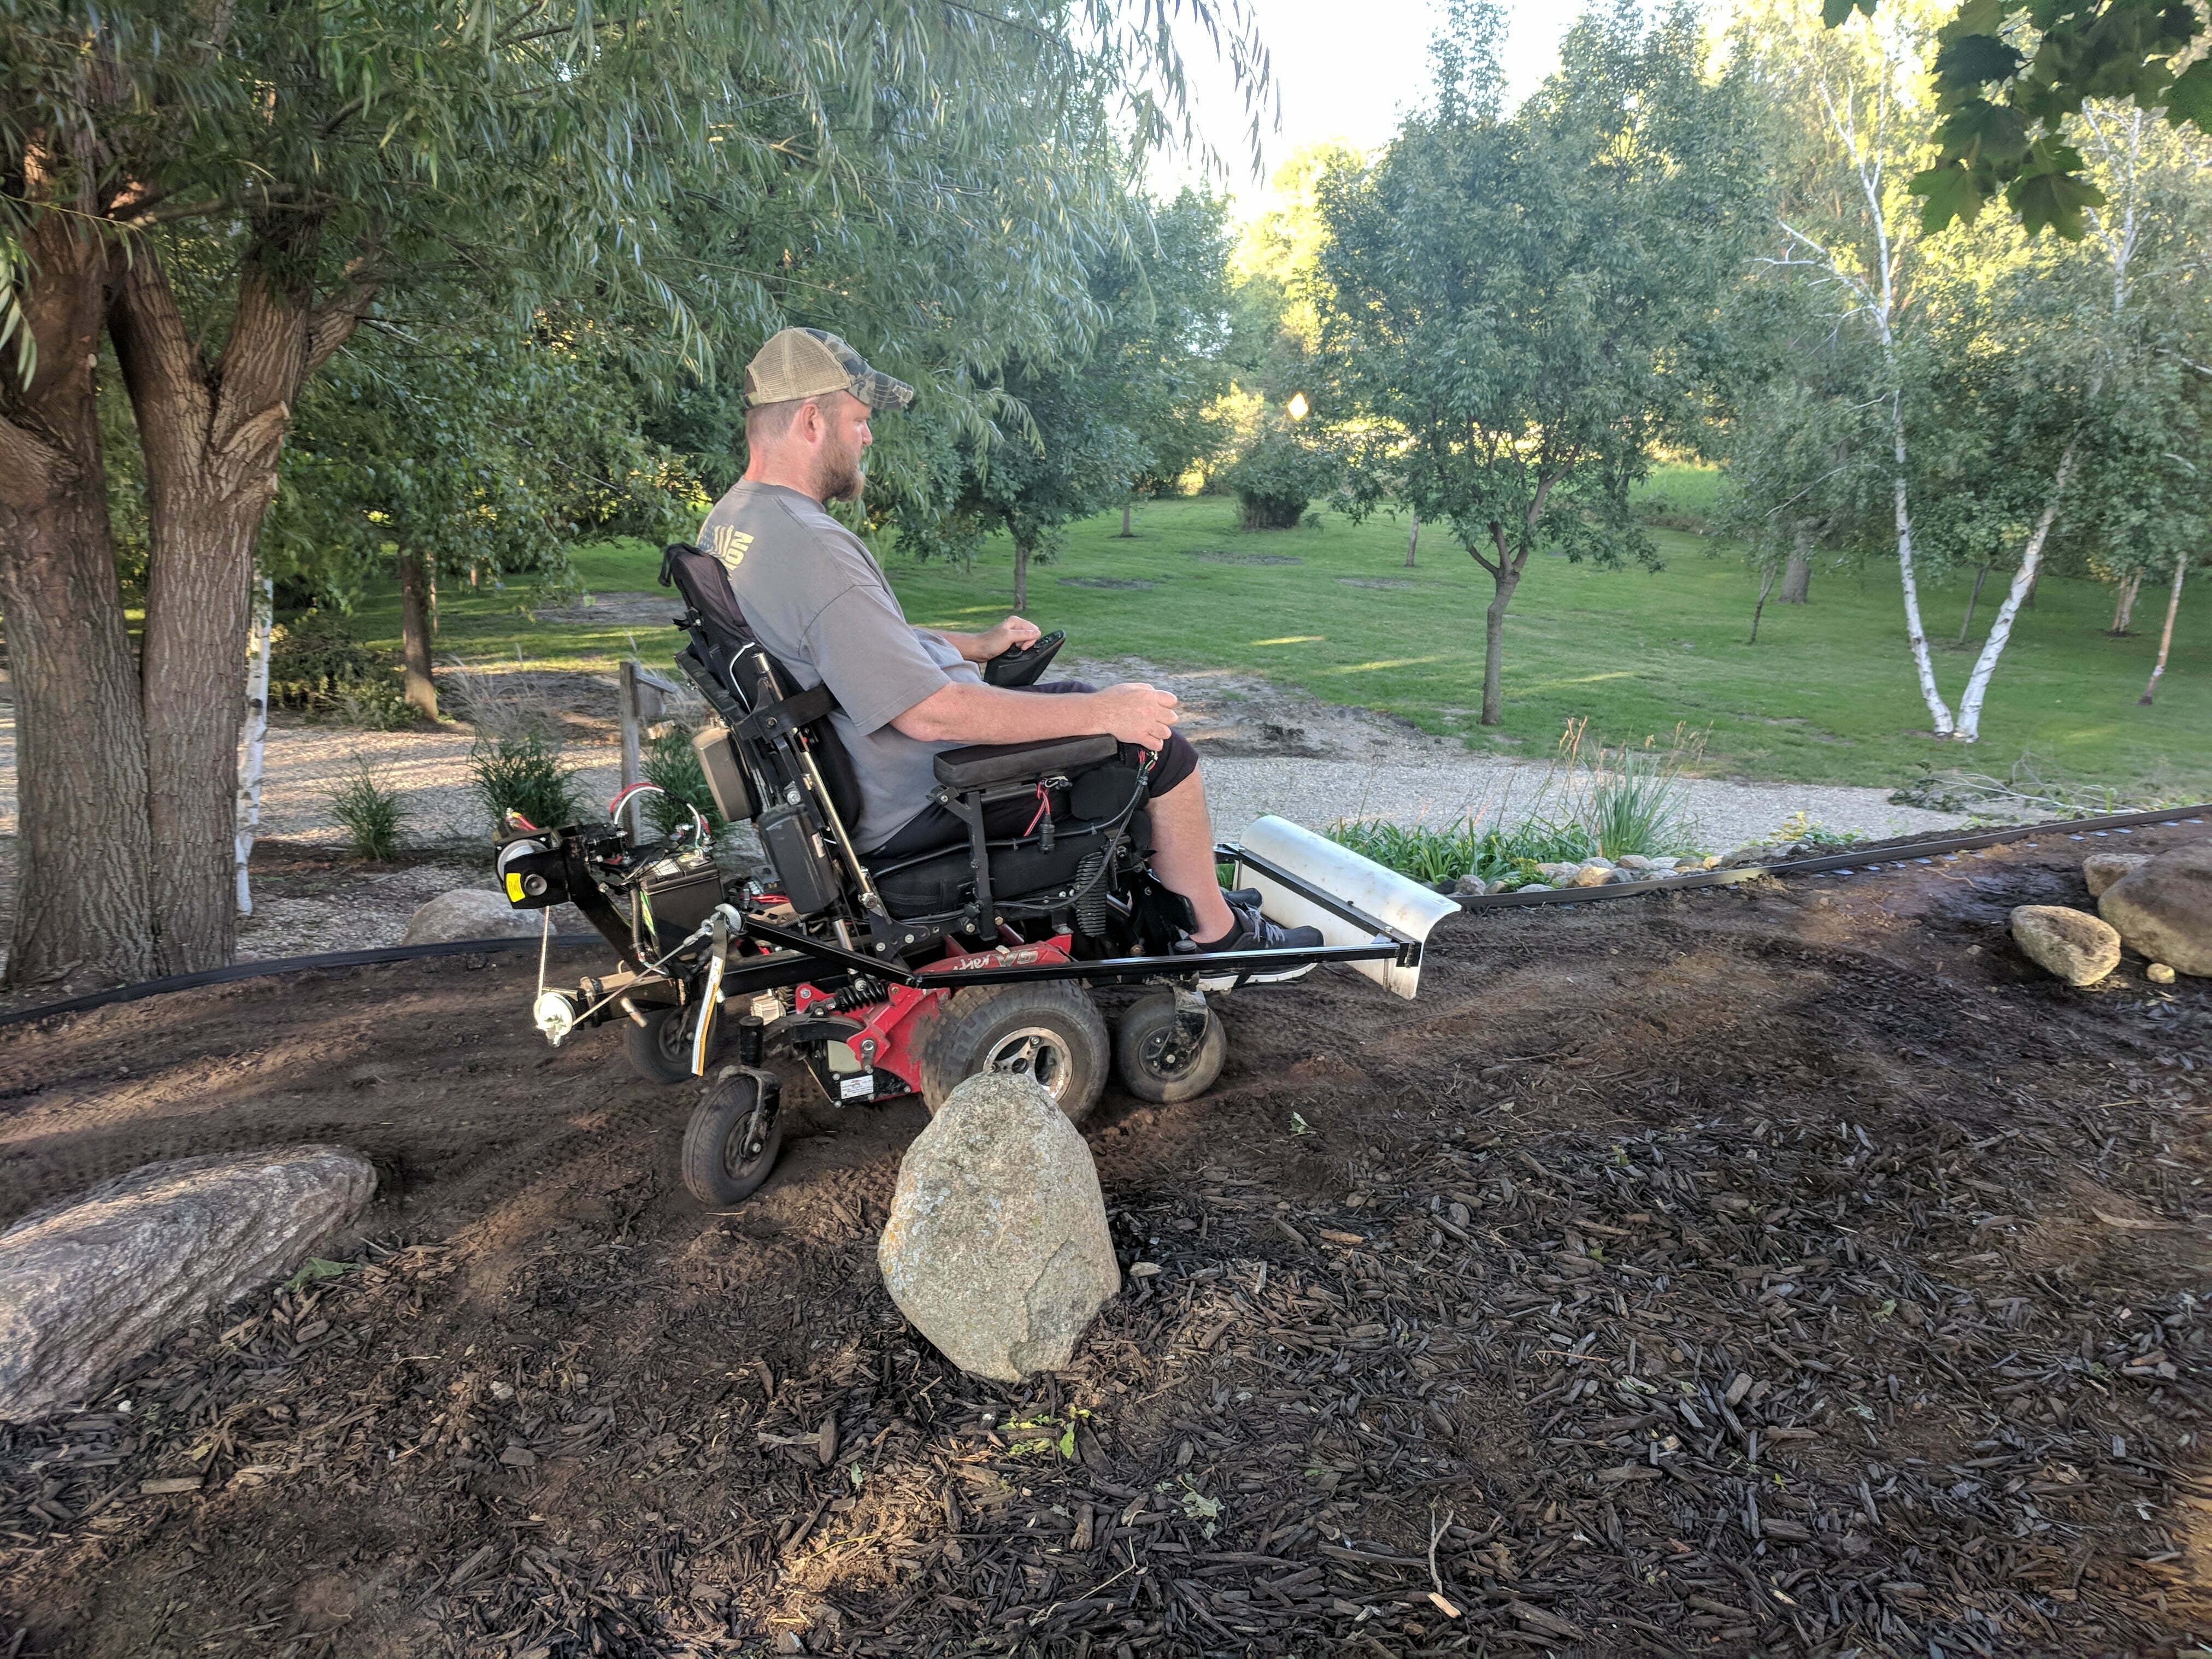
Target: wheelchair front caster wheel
pixel 1156 1061
pixel 735 1135
pixel 659 1051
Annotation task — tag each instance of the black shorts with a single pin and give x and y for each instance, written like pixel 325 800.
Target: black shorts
pixel 933 826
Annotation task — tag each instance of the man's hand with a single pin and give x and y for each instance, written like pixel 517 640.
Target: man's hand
pixel 997 642
pixel 1136 712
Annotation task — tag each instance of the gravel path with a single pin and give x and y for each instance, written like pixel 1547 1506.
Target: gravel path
pixel 1266 750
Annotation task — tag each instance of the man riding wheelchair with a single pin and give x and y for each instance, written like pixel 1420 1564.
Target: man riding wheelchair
pixel 955 855
pixel 814 598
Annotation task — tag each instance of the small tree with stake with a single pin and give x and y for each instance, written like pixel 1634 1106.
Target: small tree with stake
pixel 1505 295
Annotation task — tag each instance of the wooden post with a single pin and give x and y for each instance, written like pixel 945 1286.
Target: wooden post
pixel 256 734
pixel 632 752
pixel 2166 639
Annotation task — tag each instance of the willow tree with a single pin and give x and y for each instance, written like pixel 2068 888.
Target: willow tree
pixel 208 202
pixel 1505 297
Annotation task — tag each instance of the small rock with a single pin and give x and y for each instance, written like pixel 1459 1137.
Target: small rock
pixel 1661 864
pixel 1502 885
pixel 503 1392
pixel 1594 863
pixel 2072 944
pixel 1625 875
pixel 1536 887
pixel 2101 869
pixel 996 1248
pixel 1710 861
pixel 1591 875
pixel 787 1641
pixel 87 1284
pixel 1467 886
pixel 1634 861
pixel 2164 909
pixel 468 913
pixel 1144 1269
pixel 2159 973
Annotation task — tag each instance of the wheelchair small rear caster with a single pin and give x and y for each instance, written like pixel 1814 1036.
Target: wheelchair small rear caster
pixel 659 1051
pixel 1156 1057
pixel 735 1132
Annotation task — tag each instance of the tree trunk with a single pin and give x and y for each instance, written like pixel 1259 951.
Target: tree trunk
pixel 2166 638
pixel 2124 607
pixel 83 854
pixel 211 434
pixel 1981 576
pixel 1939 712
pixel 256 736
pixel 2023 586
pixel 1507 578
pixel 1021 577
pixel 418 593
pixel 1414 541
pixel 1127 533
pixel 1797 580
pixel 1765 586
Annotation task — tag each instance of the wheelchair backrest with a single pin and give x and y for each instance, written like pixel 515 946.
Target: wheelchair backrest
pixel 724 645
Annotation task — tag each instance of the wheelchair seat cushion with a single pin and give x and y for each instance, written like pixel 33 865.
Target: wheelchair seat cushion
pixel 932 883
pixel 981 764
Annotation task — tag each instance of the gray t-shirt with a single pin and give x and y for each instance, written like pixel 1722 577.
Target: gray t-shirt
pixel 818 601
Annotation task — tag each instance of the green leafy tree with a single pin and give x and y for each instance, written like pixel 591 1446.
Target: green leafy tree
pixel 226 194
pixel 1081 426
pixel 444 452
pixel 1507 293
pixel 2009 79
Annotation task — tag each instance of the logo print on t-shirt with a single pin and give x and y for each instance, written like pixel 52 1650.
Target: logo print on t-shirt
pixel 730 545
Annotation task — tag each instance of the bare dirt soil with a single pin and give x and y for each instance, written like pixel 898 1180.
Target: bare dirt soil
pixel 1787 1269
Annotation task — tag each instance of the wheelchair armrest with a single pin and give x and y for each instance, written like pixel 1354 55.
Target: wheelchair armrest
pixel 981 765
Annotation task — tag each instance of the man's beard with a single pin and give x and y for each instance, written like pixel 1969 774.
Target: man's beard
pixel 841 479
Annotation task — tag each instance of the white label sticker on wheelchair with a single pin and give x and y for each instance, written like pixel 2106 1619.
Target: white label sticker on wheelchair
pixel 861 1086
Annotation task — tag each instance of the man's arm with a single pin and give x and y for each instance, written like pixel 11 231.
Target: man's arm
pixel 961 713
pixel 981 647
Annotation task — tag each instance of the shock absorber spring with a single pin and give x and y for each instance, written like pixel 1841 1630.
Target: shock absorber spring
pixel 1091 897
pixel 864 992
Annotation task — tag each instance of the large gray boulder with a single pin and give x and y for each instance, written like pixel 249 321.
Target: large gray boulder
pixel 2072 944
pixel 468 913
pixel 2164 909
pixel 87 1284
pixel 2101 869
pixel 996 1248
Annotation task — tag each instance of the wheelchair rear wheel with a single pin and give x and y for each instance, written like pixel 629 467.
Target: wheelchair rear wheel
pixel 1153 1061
pixel 1050 1031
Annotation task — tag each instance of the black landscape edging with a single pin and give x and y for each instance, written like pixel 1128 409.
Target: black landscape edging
pixel 239 970
pixel 1872 855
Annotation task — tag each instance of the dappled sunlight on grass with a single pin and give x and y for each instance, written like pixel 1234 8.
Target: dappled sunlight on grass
pixel 1837 668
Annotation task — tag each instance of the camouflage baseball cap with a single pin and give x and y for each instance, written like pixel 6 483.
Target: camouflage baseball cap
pixel 805 362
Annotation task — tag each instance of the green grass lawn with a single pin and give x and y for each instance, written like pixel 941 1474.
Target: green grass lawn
pixel 1826 695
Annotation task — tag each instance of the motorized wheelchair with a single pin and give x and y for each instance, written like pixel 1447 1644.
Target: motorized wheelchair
pixel 886 978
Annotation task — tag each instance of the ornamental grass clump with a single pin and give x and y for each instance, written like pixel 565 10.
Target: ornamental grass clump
pixel 372 815
pixel 523 774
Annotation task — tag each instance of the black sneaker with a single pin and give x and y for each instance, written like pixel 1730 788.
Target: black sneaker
pixel 1241 898
pixel 1256 932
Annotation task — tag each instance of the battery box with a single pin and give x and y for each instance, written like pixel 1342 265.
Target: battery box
pixel 677 894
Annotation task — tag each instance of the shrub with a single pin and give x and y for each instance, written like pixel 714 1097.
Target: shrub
pixel 671 763
pixel 370 815
pixel 524 774
pixel 315 663
pixel 1278 475
pixel 314 658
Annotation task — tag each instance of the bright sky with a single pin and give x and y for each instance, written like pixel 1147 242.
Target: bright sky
pixel 1344 71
